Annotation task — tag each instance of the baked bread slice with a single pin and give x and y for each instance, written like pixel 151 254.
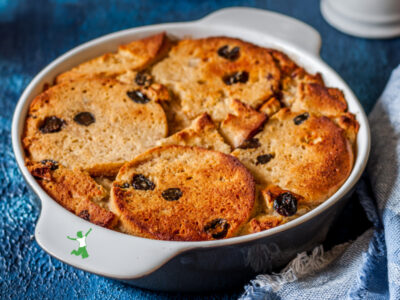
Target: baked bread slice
pixel 134 56
pixel 205 74
pixel 292 77
pixel 302 91
pixel 262 222
pixel 330 102
pixel 318 99
pixel 306 154
pixel 93 124
pixel 195 100
pixel 183 193
pixel 201 133
pixel 348 122
pixel 75 190
pixel 242 123
pixel 271 106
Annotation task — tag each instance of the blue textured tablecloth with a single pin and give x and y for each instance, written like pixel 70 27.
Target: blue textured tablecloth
pixel 34 32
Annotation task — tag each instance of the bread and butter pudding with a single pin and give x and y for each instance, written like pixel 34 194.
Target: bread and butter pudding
pixel 190 140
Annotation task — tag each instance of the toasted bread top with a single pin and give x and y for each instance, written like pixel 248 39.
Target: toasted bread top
pixel 93 124
pixel 183 193
pixel 197 100
pixel 130 57
pixel 75 190
pixel 301 91
pixel 242 123
pixel 204 73
pixel 201 133
pixel 306 154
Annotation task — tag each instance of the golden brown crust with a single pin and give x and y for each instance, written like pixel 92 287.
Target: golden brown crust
pixel 120 130
pixel 302 91
pixel 292 85
pixel 286 65
pixel 271 106
pixel 201 133
pixel 133 56
pixel 74 190
pixel 206 93
pixel 347 121
pixel 318 99
pixel 329 102
pixel 197 74
pixel 311 159
pixel 242 124
pixel 262 222
pixel 292 77
pixel 215 187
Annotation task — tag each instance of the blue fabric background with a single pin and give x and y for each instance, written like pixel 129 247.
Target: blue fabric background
pixel 34 32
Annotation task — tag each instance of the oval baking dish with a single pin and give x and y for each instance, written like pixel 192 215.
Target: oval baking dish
pixel 194 266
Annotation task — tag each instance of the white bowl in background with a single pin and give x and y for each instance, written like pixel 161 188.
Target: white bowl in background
pixel 364 18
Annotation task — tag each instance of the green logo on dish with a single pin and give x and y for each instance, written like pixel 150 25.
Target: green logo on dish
pixel 81 239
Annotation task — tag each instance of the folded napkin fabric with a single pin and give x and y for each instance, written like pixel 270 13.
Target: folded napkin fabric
pixel 369 267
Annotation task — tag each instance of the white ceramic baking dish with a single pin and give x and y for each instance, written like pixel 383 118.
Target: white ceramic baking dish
pixel 193 266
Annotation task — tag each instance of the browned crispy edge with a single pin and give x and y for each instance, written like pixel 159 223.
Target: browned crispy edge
pixel 75 190
pixel 157 45
pixel 136 228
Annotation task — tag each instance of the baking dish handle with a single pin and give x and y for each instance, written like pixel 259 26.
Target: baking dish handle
pixel 107 253
pixel 282 27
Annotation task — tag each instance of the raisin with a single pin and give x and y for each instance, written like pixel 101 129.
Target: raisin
pixel 140 182
pixel 285 204
pixel 84 118
pixel 231 55
pixel 218 228
pixel 51 124
pixel 51 163
pixel 250 144
pixel 237 77
pixel 143 78
pixel 172 194
pixel 138 97
pixel 300 118
pixel 263 159
pixel 84 214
